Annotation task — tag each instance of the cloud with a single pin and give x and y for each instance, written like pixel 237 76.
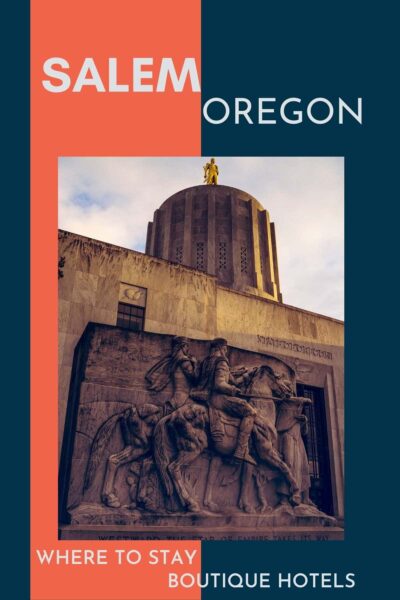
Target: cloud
pixel 112 199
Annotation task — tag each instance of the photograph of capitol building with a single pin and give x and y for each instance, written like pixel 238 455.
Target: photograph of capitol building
pixel 200 389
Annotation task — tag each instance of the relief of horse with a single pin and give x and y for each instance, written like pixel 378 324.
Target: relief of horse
pixel 183 435
pixel 176 440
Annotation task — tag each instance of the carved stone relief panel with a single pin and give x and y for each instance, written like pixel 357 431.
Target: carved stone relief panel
pixel 167 431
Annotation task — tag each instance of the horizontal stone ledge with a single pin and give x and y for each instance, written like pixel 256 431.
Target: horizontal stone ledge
pixel 124 533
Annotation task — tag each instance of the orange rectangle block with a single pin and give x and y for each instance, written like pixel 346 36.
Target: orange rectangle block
pixel 96 123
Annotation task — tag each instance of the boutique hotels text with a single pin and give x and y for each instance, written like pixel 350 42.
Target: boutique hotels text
pixel 150 75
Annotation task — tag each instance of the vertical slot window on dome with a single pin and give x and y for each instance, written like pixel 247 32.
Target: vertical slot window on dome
pixel 200 256
pixel 222 256
pixel 179 254
pixel 243 260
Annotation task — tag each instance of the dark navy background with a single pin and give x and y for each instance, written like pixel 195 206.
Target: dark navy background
pixel 14 297
pixel 256 49
pixel 330 49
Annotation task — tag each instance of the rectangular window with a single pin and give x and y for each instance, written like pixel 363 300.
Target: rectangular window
pixel 130 317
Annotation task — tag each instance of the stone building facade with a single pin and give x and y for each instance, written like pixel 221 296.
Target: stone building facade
pixel 210 270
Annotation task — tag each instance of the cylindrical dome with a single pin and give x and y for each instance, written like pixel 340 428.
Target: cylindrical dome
pixel 222 231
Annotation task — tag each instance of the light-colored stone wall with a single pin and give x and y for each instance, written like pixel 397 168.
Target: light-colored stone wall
pixel 244 318
pixel 312 343
pixel 182 301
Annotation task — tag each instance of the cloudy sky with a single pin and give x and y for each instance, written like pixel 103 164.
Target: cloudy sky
pixel 112 199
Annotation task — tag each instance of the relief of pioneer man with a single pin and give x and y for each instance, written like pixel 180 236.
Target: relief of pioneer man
pixel 218 387
pixel 180 368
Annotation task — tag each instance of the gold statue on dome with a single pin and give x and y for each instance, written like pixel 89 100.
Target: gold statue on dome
pixel 211 172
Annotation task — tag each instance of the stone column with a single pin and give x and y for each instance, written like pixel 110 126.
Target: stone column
pixel 264 251
pixel 256 247
pixel 275 257
pixel 149 239
pixel 211 233
pixel 270 259
pixel 187 230
pixel 155 233
pixel 235 246
pixel 165 252
pixel 336 453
